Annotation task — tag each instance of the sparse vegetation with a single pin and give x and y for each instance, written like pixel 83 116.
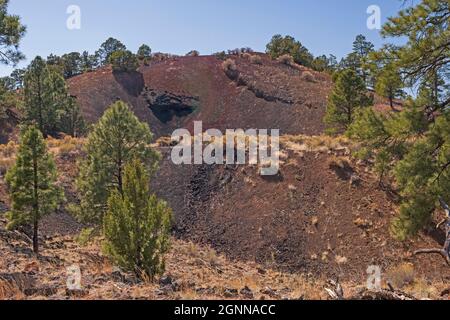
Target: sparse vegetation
pixel 401 275
pixel 308 76
pixel 255 59
pixel 193 53
pixel 286 59
pixel 326 212
pixel 230 69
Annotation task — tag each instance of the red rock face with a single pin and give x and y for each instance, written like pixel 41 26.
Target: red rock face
pixel 186 89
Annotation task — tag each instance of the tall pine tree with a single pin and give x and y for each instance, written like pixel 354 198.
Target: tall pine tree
pixel 415 142
pixel 117 138
pixel 32 183
pixel 46 99
pixel 389 84
pixel 349 95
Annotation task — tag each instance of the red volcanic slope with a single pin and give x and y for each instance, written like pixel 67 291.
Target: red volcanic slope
pixel 274 96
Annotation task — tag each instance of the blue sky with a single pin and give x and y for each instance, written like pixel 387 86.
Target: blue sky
pixel 178 26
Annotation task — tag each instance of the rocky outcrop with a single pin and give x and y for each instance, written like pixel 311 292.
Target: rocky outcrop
pixel 166 105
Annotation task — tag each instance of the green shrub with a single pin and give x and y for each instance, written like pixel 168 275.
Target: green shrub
pixel 137 225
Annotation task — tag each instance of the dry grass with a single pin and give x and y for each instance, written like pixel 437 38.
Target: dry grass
pixel 286 59
pixel 6 164
pixel 8 150
pixel 246 55
pixel 255 59
pixel 402 275
pixel 229 65
pixel 308 76
pixel 323 143
pixel 9 291
pixel 338 162
pixel 7 156
pixel 64 146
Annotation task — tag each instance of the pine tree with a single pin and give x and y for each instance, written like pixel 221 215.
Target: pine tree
pixel 416 141
pixel 32 183
pixel 137 225
pixel 8 97
pixel 144 52
pixel 279 46
pixel 389 84
pixel 107 48
pixel 123 61
pixel 117 138
pixel 11 32
pixel 362 49
pixel 348 95
pixel 45 95
pixel 70 119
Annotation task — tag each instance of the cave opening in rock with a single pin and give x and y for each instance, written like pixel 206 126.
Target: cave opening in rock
pixel 166 105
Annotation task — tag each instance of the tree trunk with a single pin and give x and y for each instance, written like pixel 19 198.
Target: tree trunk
pixel 391 102
pixel 36 237
pixel 35 207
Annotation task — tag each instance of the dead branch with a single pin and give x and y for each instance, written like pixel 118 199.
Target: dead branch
pixel 445 251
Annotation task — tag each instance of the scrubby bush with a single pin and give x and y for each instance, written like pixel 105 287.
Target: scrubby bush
pixel 193 53
pixel 8 150
pixel 286 59
pixel 222 55
pixel 255 59
pixel 229 65
pixel 123 61
pixel 230 68
pixel 308 76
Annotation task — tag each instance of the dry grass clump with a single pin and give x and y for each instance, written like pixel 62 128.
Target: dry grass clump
pixel 246 56
pixel 8 291
pixel 338 162
pixel 6 164
pixel 302 143
pixel 230 69
pixel 286 59
pixel 229 65
pixel 165 142
pixel 7 156
pixel 8 150
pixel 193 53
pixel 64 146
pixel 255 59
pixel 308 77
pixel 402 275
